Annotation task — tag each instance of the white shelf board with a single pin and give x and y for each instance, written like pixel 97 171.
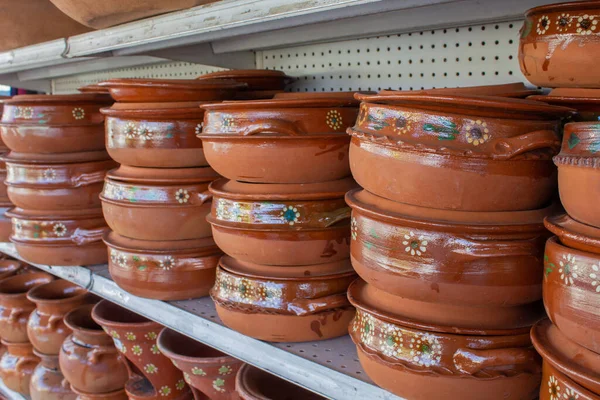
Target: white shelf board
pixel 329 368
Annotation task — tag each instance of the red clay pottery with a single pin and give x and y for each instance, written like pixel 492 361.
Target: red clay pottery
pixel 93 88
pixel 64 238
pixel 291 304
pixel 48 382
pixel 210 373
pixel 559 43
pixel 262 83
pixel 5 225
pixel 475 259
pixel 155 377
pixel 574 234
pixel 9 268
pixel 585 101
pixel 45 327
pixel 158 203
pixel 254 384
pixel 572 292
pixel 17 365
pixel 516 89
pixel 116 395
pixel 89 359
pixel 281 224
pixel 423 361
pixel 15 308
pixel 39 185
pixel 54 123
pixel 163 270
pixel 279 140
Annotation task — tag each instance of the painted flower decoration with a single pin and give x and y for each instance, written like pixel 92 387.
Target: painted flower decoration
pixel 130 336
pixel 154 349
pixel 198 371
pixel 24 112
pixel 130 130
pixel 290 214
pixel 198 128
pixel 414 245
pixel 563 22
pixel 425 350
pixel 402 125
pixel 182 196
pixel 543 24
pixel 570 394
pixel 49 174
pixel 595 275
pixel 137 350
pixel 586 24
pixel 363 114
pixel 334 119
pixel 115 335
pixel 59 229
pixel 186 377
pixel 78 113
pixel 225 370
pixel 391 339
pixel 122 262
pixel 151 368
pixel 477 132
pixel 151 335
pixel 218 385
pixel 167 263
pixel 553 388
pixel 354 228
pixel 145 133
pixel 367 332
pixel 180 385
pixel 227 123
pixel 568 269
pixel 17 225
pixel 165 391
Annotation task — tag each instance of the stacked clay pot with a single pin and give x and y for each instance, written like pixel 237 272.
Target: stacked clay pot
pixel 280 215
pixel 448 239
pixel 5 204
pixel 55 172
pixel 254 384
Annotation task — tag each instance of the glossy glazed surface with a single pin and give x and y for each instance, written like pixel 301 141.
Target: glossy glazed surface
pixel 585 101
pixel 17 366
pixel 255 384
pixel 48 382
pixel 574 234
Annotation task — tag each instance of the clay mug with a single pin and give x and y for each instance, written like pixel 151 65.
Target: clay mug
pixel 48 382
pixel 17 365
pixel 252 383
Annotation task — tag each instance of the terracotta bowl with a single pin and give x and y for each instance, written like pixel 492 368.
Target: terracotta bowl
pixel 574 234
pixel 158 203
pixel 262 83
pixel 17 366
pixel 66 238
pixel 570 371
pixel 559 43
pixel 585 101
pixel 163 270
pixel 515 89
pixel 9 268
pixel 254 384
pixel 292 304
pixel 279 140
pixel 5 224
pixel 281 224
pixel 431 362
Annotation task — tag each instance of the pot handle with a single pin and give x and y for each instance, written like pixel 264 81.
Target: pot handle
pixel 65 384
pixel 15 315
pixel 54 320
pixel 88 178
pixel 478 250
pixel 507 148
pixel 302 307
pixel 85 236
pixel 204 197
pixel 94 355
pixel 278 126
pixel 471 361
pixel 328 219
pixel 22 362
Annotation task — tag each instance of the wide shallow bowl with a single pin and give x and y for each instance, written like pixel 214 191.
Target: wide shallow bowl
pixel 163 270
pixel 570 371
pixel 17 365
pixel 66 238
pixel 262 83
pixel 158 203
pixel 433 362
pixel 574 234
pixel 254 384
pixel 281 224
pixel 559 43
pixel 572 292
pixel 585 101
pixel 280 140
pixel 291 304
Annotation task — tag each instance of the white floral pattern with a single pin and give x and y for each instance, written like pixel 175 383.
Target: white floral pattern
pixel 290 214
pixel 49 174
pixel 425 350
pixel 570 394
pixel 568 269
pixel 543 24
pixel 586 24
pixel 563 22
pixel 59 229
pixel 554 388
pixel 198 128
pixel 182 196
pixel 78 113
pixel 354 228
pixel 415 245
pixel 167 263
pixel 477 132
pixel 595 275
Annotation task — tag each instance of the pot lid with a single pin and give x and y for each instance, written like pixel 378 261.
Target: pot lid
pixel 281 191
pixel 94 88
pixel 123 243
pixel 55 215
pixel 516 89
pixel 58 99
pixel 570 96
pixel 53 158
pixel 342 96
pixel 573 233
pixel 578 6
pixel 284 102
pixel 166 176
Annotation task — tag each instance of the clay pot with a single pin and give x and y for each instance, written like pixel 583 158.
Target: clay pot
pixel 432 362
pixel 559 43
pixel 17 366
pixel 210 373
pixel 64 238
pixel 254 384
pixel 116 395
pixel 281 224
pixel 570 371
pixel 163 270
pixel 571 287
pixel 159 203
pixel 14 305
pixel 489 261
pixel 154 376
pixel 45 327
pixel 89 359
pixel 516 90
pixel 5 224
pixel 574 234
pixel 585 101
pixel 38 185
pixel 48 382
pixel 93 88
pixel 344 97
pixel 279 140
pixel 54 123
pixel 291 304
pixel 9 268
pixel 262 83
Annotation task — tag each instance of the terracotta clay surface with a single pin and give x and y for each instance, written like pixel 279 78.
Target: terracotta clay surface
pixel 555 382
pixel 163 270
pixel 262 83
pixel 516 89
pixel 210 373
pixel 5 224
pixel 254 384
pixel 9 268
pixel 574 234
pixel 158 203
pixel 48 382
pixel 585 101
pixel 559 43
pixel 89 359
pixel 116 395
pixel 17 366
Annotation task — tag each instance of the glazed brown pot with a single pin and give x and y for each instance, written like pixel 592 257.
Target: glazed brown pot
pixel 158 203
pixel 574 234
pixel 254 384
pixel 515 89
pixel 135 337
pixel 484 260
pixel 570 371
pixel 572 292
pixel 17 365
pixel 45 327
pixel 291 304
pixel 210 373
pixel 279 140
pixel 64 238
pixel 559 43
pixel 9 268
pixel 430 362
pixel 54 123
pixel 585 101
pixel 14 305
pixel 482 153
pixel 89 359
pixel 48 382
pixel 5 224
pixel 163 270
pixel 116 395
pixel 262 83
pixel 281 224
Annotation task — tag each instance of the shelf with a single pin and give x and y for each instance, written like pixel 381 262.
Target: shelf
pixel 329 368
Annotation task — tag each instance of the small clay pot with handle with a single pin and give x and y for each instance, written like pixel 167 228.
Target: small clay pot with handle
pixel 252 383
pixel 48 382
pixel 17 366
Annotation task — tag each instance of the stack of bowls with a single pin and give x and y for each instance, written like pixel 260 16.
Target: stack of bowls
pixel 448 237
pixel 5 204
pixel 55 172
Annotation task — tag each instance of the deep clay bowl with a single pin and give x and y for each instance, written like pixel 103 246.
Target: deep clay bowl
pixel 585 101
pixel 254 384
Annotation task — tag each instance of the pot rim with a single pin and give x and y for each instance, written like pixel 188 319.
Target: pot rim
pixel 207 136
pixel 146 324
pixel 40 164
pixel 51 126
pixel 111 239
pixel 38 276
pixel 160 176
pixel 188 113
pixel 82 308
pixel 513 89
pixel 225 358
pixel 234 226
pixel 64 244
pixel 32 293
pixel 16 344
pixel 559 7
pixel 53 99
pixel 585 100
pixel 555 224
pixel 245 73
pixel 161 206
pixel 175 84
pixel 63 215
pixel 279 103
pixel 53 159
